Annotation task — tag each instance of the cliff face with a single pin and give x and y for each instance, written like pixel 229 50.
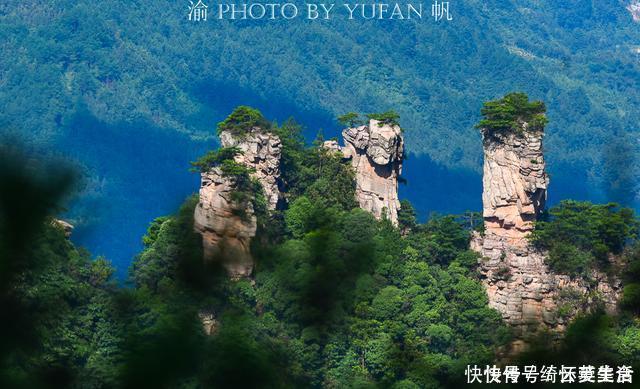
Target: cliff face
pixel 519 284
pixel 226 224
pixel 64 226
pixel 260 151
pixel 515 185
pixel 376 152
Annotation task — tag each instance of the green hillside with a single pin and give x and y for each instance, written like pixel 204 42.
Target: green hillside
pixel 130 62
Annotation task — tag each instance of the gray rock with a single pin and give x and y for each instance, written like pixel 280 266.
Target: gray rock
pixel 262 151
pixel 66 227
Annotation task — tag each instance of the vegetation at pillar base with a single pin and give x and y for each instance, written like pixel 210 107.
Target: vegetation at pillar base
pixel 407 219
pixel 242 120
pixel 339 300
pixel 508 115
pixel 580 235
pixel 315 172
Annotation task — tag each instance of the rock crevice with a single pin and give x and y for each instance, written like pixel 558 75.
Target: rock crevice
pixel 261 151
pixel 515 185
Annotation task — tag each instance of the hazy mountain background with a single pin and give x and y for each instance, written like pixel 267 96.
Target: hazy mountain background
pixel 131 92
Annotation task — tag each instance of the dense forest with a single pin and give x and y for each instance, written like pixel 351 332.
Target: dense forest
pixel 104 104
pixel 120 81
pixel 338 298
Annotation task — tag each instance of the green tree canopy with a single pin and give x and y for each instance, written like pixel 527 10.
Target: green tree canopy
pixel 350 119
pixel 509 114
pixel 389 117
pixel 242 120
pixel 581 234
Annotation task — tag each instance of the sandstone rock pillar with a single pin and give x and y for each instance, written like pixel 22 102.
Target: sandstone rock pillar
pixel 519 283
pixel 376 152
pixel 227 225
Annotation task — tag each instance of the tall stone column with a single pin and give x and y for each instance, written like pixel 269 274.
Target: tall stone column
pixel 519 283
pixel 376 152
pixel 226 225
pixel 514 185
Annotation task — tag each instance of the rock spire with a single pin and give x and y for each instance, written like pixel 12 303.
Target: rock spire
pixel 227 224
pixel 519 283
pixel 376 152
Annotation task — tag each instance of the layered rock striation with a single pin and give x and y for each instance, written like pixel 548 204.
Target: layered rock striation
pixel 376 152
pixel 226 225
pixel 515 185
pixel 519 283
pixel 227 222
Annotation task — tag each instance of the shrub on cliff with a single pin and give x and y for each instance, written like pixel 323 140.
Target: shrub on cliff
pixel 215 158
pixel 390 118
pixel 509 114
pixel 242 120
pixel 350 119
pixel 246 187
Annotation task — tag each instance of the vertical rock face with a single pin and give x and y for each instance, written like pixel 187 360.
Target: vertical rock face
pixel 519 284
pixel 376 152
pixel 260 151
pixel 515 185
pixel 226 224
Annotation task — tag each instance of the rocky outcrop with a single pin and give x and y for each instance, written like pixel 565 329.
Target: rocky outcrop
pixel 515 185
pixel 529 295
pixel 209 322
pixel 376 151
pixel 227 224
pixel 519 283
pixel 66 227
pixel 261 151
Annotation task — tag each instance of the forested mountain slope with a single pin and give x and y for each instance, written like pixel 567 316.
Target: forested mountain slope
pixel 126 70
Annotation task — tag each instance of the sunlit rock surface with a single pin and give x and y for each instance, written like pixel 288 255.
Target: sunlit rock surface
pixel 519 283
pixel 227 225
pixel 376 152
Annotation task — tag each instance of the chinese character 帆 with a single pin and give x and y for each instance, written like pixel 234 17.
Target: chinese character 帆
pixel 197 11
pixel 440 10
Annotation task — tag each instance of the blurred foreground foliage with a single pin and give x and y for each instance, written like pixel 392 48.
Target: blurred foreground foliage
pixel 338 299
